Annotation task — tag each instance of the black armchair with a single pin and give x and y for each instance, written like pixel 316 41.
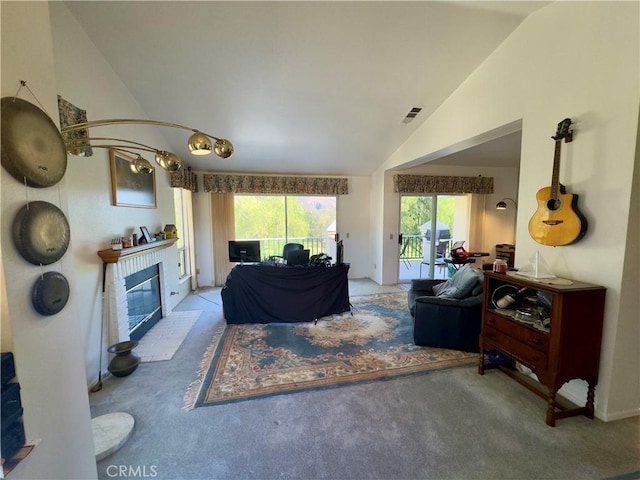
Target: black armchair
pixel 445 322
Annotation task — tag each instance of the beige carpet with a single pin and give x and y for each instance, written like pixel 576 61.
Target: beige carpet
pixel 164 338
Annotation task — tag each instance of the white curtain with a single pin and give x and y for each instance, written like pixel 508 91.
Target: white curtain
pixel 223 230
pixel 475 242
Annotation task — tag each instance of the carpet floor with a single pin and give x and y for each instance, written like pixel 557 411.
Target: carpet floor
pixel 446 425
pixel 372 342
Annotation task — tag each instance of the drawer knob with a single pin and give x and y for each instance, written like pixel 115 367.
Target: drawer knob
pixel 537 341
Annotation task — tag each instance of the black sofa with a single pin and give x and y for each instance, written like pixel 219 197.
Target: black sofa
pixel 444 322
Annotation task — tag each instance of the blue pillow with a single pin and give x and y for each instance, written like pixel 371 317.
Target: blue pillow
pixel 461 284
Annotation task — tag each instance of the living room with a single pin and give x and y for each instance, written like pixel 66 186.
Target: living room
pixel 566 59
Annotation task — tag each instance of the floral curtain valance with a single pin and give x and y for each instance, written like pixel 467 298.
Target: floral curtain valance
pixel 441 184
pixel 184 178
pixel 261 184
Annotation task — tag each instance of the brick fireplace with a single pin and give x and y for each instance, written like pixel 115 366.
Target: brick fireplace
pixel 120 264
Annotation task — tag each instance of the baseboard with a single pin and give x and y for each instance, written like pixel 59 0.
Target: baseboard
pixel 576 392
pixel 610 417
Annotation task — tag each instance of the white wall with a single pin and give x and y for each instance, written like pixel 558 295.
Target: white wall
pixel 85 79
pixel 353 225
pixel 578 60
pixel 59 356
pixel 48 350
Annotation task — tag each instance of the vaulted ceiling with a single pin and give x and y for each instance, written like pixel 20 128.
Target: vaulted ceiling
pixel 298 87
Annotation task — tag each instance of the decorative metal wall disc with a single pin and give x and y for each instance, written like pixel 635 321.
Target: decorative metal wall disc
pixel 50 293
pixel 41 233
pixel 32 146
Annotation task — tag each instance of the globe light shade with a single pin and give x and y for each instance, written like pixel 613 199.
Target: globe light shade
pixel 169 161
pixel 223 148
pixel 200 144
pixel 140 165
pixel 502 204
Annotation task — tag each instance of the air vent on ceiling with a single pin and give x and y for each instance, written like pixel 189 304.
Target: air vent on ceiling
pixel 413 113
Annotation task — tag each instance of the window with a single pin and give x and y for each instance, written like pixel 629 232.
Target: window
pixel 279 219
pixel 182 205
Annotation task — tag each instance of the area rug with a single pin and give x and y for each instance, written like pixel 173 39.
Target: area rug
pixel 162 341
pixel 373 342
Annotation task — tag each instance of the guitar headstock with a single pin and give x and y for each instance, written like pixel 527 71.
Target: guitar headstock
pixel 563 130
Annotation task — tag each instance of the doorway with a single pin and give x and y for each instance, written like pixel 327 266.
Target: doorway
pixel 422 253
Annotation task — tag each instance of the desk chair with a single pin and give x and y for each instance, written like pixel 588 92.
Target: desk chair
pixel 439 263
pixel 291 246
pixel 288 247
pixel 441 252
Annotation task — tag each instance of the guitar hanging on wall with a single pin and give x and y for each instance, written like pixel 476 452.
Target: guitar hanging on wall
pixel 557 221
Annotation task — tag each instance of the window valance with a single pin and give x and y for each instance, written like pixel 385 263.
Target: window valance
pixel 262 184
pixel 441 184
pixel 184 178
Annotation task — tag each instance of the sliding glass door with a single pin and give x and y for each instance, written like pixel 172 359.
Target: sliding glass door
pixel 429 225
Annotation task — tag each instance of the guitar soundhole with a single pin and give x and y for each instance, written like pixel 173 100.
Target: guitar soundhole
pixel 554 204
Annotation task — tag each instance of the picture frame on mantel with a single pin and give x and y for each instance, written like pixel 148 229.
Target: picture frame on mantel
pixel 146 235
pixel 128 188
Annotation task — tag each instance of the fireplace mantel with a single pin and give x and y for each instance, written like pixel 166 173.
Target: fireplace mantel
pixel 114 256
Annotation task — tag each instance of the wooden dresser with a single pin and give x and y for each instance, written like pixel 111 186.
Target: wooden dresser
pixel 555 330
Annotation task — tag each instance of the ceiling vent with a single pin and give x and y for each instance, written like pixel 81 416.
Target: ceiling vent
pixel 413 113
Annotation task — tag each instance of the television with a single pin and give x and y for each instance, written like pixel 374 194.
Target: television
pixel 297 257
pixel 244 251
pixel 339 253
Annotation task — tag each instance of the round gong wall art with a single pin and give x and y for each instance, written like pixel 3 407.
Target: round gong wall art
pixel 41 233
pixel 50 293
pixel 32 147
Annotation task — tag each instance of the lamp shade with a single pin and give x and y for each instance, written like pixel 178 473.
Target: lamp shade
pixel 501 205
pixel 169 161
pixel 200 144
pixel 223 148
pixel 140 165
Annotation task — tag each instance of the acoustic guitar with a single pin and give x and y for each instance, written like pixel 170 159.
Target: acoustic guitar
pixel 557 221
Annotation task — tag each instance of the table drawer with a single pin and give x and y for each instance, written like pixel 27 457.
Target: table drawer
pixel 520 351
pixel 527 335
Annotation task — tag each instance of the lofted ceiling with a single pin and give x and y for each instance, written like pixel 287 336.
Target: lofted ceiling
pixel 299 87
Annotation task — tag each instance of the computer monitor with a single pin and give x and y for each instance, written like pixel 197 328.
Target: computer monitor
pixel 244 251
pixel 297 257
pixel 339 253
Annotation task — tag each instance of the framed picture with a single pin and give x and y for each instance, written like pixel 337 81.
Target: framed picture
pixel 128 188
pixel 146 235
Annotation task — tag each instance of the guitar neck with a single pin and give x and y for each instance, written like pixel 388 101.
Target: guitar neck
pixel 555 177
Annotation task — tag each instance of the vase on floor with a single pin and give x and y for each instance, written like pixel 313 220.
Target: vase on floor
pixel 125 361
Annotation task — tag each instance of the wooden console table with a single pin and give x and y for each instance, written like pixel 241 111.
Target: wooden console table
pixel 113 256
pixel 568 348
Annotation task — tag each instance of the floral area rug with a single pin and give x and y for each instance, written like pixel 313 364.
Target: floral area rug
pixel 373 342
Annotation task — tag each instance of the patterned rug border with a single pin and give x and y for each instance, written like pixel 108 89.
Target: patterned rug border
pixel 194 397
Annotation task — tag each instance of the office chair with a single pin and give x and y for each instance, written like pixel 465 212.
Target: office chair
pixel 291 246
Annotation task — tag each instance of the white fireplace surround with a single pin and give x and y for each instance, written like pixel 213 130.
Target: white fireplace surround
pixel 116 295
